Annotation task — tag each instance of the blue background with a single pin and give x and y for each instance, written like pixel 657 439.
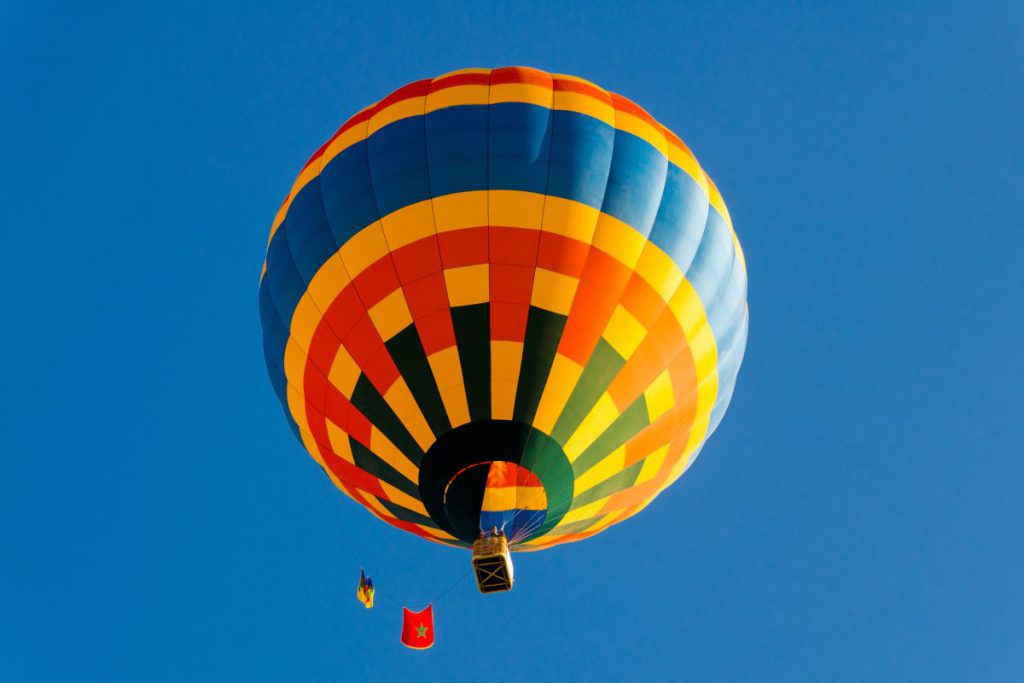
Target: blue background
pixel 857 517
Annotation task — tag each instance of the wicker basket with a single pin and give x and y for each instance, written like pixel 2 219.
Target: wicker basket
pixel 492 563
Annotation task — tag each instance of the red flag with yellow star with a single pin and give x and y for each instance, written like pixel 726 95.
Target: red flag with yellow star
pixel 418 628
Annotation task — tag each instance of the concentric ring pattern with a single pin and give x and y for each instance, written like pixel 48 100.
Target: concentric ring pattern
pixel 503 265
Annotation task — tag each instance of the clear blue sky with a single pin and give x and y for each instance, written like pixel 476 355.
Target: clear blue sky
pixel 857 517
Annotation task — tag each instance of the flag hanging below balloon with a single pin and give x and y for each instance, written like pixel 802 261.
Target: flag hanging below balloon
pixel 364 593
pixel 418 628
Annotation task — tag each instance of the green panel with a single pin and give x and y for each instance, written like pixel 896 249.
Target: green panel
pixel 407 515
pixel 624 428
pixel 543 332
pixel 366 460
pixel 599 372
pixel 620 481
pixel 407 352
pixel 370 403
pixel 473 336
pixel 576 527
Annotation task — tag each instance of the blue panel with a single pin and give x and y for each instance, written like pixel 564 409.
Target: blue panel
pixel 714 259
pixel 309 235
pixel 347 193
pixel 283 280
pixel 519 146
pixel 398 164
pixel 457 150
pixel 581 158
pixel 636 182
pixel 681 218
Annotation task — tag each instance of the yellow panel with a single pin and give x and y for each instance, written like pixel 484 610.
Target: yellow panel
pixel 594 424
pixel 364 248
pixel 561 381
pixel 652 465
pixel 402 109
pixel 448 376
pixel 467 285
pixel 659 396
pixel 389 453
pixel 377 507
pixel 436 533
pixel 608 466
pixel 506 357
pixel 659 271
pixel 515 209
pixel 585 104
pixel 520 92
pixel 402 498
pixel 328 282
pixel 553 291
pixel 585 512
pixel 570 219
pixel 455 405
pixel 640 128
pixel 340 443
pixel 408 224
pixel 460 210
pixel 618 239
pixel 391 314
pixel 344 372
pixel 457 95
pixel 304 321
pixel 404 406
pixel 624 332
pixel 295 360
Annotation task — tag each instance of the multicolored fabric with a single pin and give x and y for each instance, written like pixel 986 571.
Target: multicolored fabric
pixel 514 501
pixel 365 591
pixel 503 265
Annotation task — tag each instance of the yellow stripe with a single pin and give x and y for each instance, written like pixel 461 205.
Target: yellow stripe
pixel 560 383
pixel 408 412
pixel 340 443
pixel 391 314
pixel 499 498
pixel 600 417
pixel 506 357
pixel 363 249
pixel 467 285
pixel 389 453
pixel 409 224
pixel 553 291
pixel 399 497
pixel 447 371
pixel 608 466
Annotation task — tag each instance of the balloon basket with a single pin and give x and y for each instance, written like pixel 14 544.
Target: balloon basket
pixel 492 563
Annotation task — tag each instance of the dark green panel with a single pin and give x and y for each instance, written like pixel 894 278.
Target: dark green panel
pixel 625 427
pixel 473 336
pixel 543 332
pixel 614 484
pixel 599 372
pixel 407 515
pixel 366 460
pixel 407 352
pixel 370 403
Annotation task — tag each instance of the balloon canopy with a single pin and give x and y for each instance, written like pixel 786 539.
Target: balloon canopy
pixel 503 298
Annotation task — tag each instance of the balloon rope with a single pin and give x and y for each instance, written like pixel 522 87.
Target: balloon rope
pixel 452 587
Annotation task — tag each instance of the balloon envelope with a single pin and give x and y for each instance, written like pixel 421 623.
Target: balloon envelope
pixel 503 266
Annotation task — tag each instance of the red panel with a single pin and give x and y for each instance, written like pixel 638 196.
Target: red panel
pixel 436 331
pixel 463 247
pixel 345 311
pixel 508 321
pixel 514 246
pixel 511 283
pixel 427 295
pixel 377 281
pixel 561 254
pixel 418 259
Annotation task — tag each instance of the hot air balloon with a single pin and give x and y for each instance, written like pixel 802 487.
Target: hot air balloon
pixel 504 308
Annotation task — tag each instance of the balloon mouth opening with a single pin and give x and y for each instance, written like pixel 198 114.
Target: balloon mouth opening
pixel 496 496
